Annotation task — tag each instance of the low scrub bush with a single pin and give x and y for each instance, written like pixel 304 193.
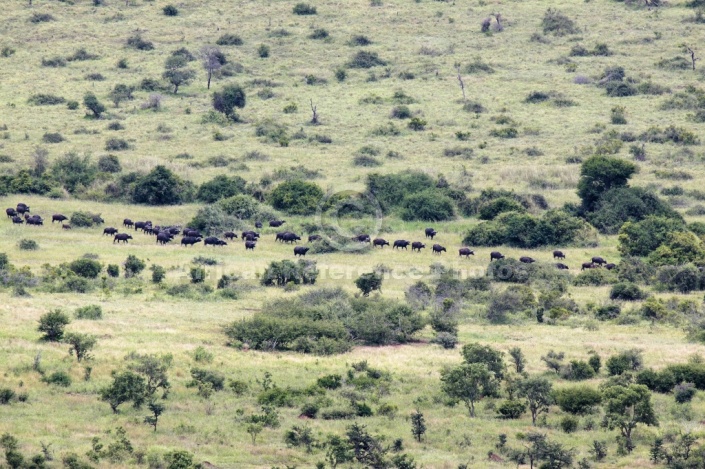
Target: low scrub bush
pixel 93 312
pixel 577 400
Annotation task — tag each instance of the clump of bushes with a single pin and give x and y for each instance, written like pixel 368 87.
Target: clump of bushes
pixel 556 23
pixel 304 9
pixel 229 40
pixel 28 245
pixel 92 312
pixel 366 59
pixel 296 197
pixel 286 272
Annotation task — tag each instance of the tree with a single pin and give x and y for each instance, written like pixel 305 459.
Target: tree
pixel 626 407
pixel 154 368
pixel 121 93
pixel 518 359
pixel 598 174
pixel 180 459
pixel 643 237
pixel 177 73
pixel 133 266
pixel 81 345
pixel 157 409
pixel 92 104
pixel 74 171
pixel 254 429
pixel 537 392
pixel 127 386
pixel 418 425
pixel 338 451
pixel 212 59
pixel 369 282
pixel 232 96
pixel 159 187
pixel 296 197
pixel 476 353
pixel 366 449
pixel 469 383
pixel 52 324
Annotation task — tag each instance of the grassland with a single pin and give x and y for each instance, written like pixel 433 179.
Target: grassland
pixel 427 39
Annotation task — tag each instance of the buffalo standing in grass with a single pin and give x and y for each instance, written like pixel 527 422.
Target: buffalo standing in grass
pixel 230 235
pixel 558 255
pixel 276 223
pixel 250 245
pixel 213 241
pixel 110 231
pixel 58 217
pixel 300 251
pixel 437 249
pixel 35 220
pixel 380 242
pixel 249 234
pixel 363 238
pixel 17 220
pixel 496 255
pixel 599 261
pixel 588 265
pixel 526 260
pixel 561 266
pixel 610 266
pixel 128 223
pixel 417 246
pixel 164 238
pixel 312 238
pixel 467 252
pixel 430 232
pixel 10 212
pixel 401 244
pixel 22 208
pixel 121 237
pixel 190 240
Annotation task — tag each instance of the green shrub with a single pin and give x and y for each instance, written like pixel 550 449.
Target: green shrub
pixel 45 100
pixel 109 164
pixel 200 376
pixel 86 268
pixel 58 378
pixel 330 381
pixel 116 144
pixel 569 424
pixel 136 42
pixel 390 190
pixel 229 40
pixel 113 270
pixel 296 197
pixel 643 237
pixel 158 273
pixel 599 174
pixel 54 62
pixel 40 18
pixel 52 325
pixel 366 59
pixel 427 206
pixel 170 10
pixel 93 105
pixel 27 245
pixel 231 97
pixel 220 187
pixel 683 279
pixel 577 370
pixel 133 266
pixel 577 399
pixel 684 392
pixel 417 124
pixel 511 409
pixel 607 312
pixel 93 312
pixel 161 187
pixel 626 291
pixel 620 205
pixel 629 360
pixel 283 272
pixel 304 9
pixel 369 282
pixel 6 395
pixel 401 112
pixel 556 23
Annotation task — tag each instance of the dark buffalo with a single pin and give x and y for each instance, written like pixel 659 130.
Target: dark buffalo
pixel 251 234
pixel 280 236
pixel 363 238
pixel 128 223
pixel 290 238
pixel 250 245
pixel 193 234
pixel 588 265
pixel 139 225
pixel 35 220
pixel 258 224
pixel 610 266
pixel 276 223
pixel 598 260
pixel 164 238
pixel 230 235
pixel 173 230
pixel 300 251
pixel 65 226
pixel 98 219
pixel 213 241
pixel 430 232
pixel 401 244
pixel 58 217
pixel 189 240
pixel 121 237
pixel 437 249
pixel 417 246
pixel 312 238
pixel 110 231
pixel 17 220
pixel 11 212
pixel 561 266
pixel 380 242
pixel 249 237
pixel 526 260
pixel 467 252
pixel 496 255
pixel 22 208
pixel 558 255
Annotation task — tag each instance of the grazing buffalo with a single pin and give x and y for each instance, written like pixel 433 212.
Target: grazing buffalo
pixel 610 266
pixel 110 231
pixel 213 241
pixel 300 251
pixel 250 237
pixel 363 238
pixel 128 223
pixel 11 212
pixel 17 220
pixel 58 217
pixel 467 252
pixel 417 246
pixel 258 224
pixel 561 266
pixel 588 265
pixel 189 240
pixel 526 260
pixel 598 260
pixel 250 245
pixel 164 238
pixel 401 244
pixel 496 255
pixel 558 255
pixel 280 236
pixel 193 233
pixel 380 242
pixel 312 238
pixel 289 237
pixel 64 226
pixel 22 208
pixel 173 230
pixel 230 235
pixel 249 234
pixel 35 220
pixel 437 249
pixel 430 232
pixel 121 237
pixel 276 223
pixel 139 225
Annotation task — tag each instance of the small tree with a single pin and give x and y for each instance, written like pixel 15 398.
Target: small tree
pixel 369 282
pixel 469 383
pixel 537 392
pixel 92 104
pixel 598 174
pixel 126 386
pixel 154 368
pixel 338 451
pixel 212 59
pixel 158 273
pixel 52 324
pixel 231 97
pixel 518 359
pixel 625 408
pixel 157 409
pixel 177 72
pixel 81 345
pixel 254 429
pixel 476 353
pixel 418 425
pixel 133 266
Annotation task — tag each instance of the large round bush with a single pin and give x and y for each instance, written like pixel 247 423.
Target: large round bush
pixel 427 206
pixel 296 197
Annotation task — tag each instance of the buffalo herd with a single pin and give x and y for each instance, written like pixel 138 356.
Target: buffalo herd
pixel 166 234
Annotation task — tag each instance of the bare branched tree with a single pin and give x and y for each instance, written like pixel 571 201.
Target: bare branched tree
pixel 690 51
pixel 212 59
pixel 314 110
pixel 462 85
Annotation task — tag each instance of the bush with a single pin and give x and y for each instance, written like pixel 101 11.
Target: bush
pixel 283 272
pixel 626 291
pixel 401 112
pixel 93 312
pixel 170 10
pixel 296 197
pixel 158 273
pixel 679 249
pixel 417 124
pixel 229 40
pixel 161 187
pixel 84 219
pixel 629 360
pixel 220 187
pixel 594 278
pixel 200 376
pixel 577 400
pixel 6 395
pixel 59 378
pixel 366 59
pixel 569 424
pixel 54 62
pixel 643 237
pixel 93 105
pixel 52 325
pixel 577 370
pixel 113 270
pixel 116 144
pixel 599 174
pixel 133 266
pixel 607 312
pixel 304 9
pixel 429 205
pixel 136 42
pixel 231 97
pixel 620 205
pixel 683 279
pixel 511 409
pixel 86 268
pixel 556 23
pixel 28 245
pixel 369 282
pixel 684 392
pixel 40 18
pixel 109 164
pixel 45 100
pixel 330 381
pixel 495 207
pixel 390 190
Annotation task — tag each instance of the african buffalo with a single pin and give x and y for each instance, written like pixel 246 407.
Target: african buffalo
pixel 22 208
pixel 251 234
pixel 467 252
pixel 430 232
pixel 139 225
pixel 230 235
pixel 189 240
pixel 17 220
pixel 561 266
pixel 276 223
pixel 163 238
pixel 558 255
pixel 11 212
pixel 610 266
pixel 312 238
pixel 193 233
pixel 380 242
pixel 64 226
pixel 110 231
pixel 588 265
pixel 526 260
pixel 289 237
pixel 35 220
pixel 496 255
pixel 258 224
pixel 437 249
pixel 363 238
pixel 58 217
pixel 300 251
pixel 598 260
pixel 121 237
pixel 417 246
pixel 213 241
pixel 250 245
pixel 128 223
pixel 401 244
